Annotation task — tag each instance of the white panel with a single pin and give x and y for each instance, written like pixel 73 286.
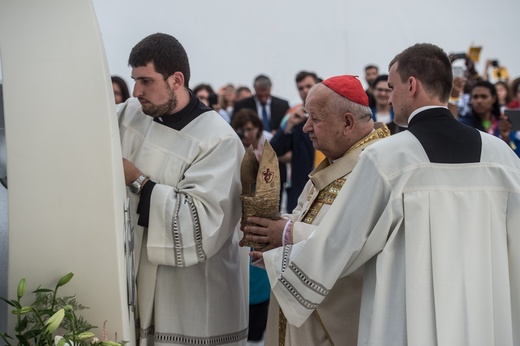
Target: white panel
pixel 66 190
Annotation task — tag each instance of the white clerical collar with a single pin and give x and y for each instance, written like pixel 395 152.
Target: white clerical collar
pixel 418 110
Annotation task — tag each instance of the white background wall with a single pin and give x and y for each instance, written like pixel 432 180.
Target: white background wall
pixel 234 40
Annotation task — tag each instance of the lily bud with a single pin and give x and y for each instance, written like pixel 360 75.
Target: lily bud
pixel 21 288
pixel 23 310
pixel 65 279
pixel 54 321
pixel 85 336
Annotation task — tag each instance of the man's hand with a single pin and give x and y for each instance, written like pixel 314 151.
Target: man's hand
pixel 265 231
pixel 131 172
pixel 296 117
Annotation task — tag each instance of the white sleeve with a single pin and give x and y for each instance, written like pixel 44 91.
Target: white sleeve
pixel 191 221
pixel 354 230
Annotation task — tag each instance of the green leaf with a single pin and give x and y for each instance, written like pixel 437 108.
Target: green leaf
pixel 43 290
pixel 65 279
pixel 4 337
pixel 22 325
pixel 22 340
pixel 10 302
pixel 16 304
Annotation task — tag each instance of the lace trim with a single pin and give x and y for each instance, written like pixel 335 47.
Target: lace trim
pixel 304 302
pixel 197 233
pixel 195 340
pixel 176 234
pixel 313 285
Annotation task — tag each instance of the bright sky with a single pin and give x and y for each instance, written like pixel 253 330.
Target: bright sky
pixel 235 40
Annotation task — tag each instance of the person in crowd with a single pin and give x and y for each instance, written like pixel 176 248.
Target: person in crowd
pixel 503 94
pixel 381 111
pixel 485 110
pixel 206 94
pixel 515 90
pixel 340 125
pixel 290 138
pixel 243 92
pixel 371 73
pixel 226 100
pixel 250 129
pixel 459 101
pixel 432 215
pixel 120 88
pixel 269 108
pixel 486 114
pixel 184 184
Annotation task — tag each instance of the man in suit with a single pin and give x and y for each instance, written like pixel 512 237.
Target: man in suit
pixel 270 109
pixel 291 138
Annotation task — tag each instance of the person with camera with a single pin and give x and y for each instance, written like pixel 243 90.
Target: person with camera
pixel 459 102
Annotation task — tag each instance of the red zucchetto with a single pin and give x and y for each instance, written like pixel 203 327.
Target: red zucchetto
pixel 348 86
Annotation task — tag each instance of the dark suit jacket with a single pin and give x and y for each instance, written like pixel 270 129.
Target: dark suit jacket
pixel 302 161
pixel 279 108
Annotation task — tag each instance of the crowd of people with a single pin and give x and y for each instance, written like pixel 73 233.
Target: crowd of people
pixel 398 223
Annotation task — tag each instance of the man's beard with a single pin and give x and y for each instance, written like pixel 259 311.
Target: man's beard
pixel 162 109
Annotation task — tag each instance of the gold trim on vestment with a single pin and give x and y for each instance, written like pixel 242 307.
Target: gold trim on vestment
pixel 325 196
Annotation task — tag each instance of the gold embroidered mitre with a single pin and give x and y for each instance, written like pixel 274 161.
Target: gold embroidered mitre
pixel 260 188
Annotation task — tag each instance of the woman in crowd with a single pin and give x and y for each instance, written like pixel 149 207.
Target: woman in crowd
pixel 381 111
pixel 205 94
pixel 120 88
pixel 248 126
pixel 503 94
pixel 486 116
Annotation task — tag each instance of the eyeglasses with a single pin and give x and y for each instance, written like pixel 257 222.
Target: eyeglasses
pixel 383 90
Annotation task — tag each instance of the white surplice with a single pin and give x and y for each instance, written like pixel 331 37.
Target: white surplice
pixel 440 245
pixel 190 288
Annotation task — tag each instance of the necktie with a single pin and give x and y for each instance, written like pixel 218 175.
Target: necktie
pixel 265 119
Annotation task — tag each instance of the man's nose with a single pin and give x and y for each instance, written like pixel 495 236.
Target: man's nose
pixel 137 90
pixel 307 127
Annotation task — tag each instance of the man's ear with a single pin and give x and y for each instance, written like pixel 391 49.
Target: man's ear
pixel 349 120
pixel 176 80
pixel 412 85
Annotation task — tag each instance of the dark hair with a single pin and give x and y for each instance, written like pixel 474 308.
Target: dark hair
pixel 203 86
pixel 509 97
pixel 244 116
pixel 262 82
pixel 165 52
pixel 514 87
pixel 485 84
pixel 368 67
pixel 242 88
pixel 122 85
pixel 381 77
pixel 304 74
pixel 430 65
